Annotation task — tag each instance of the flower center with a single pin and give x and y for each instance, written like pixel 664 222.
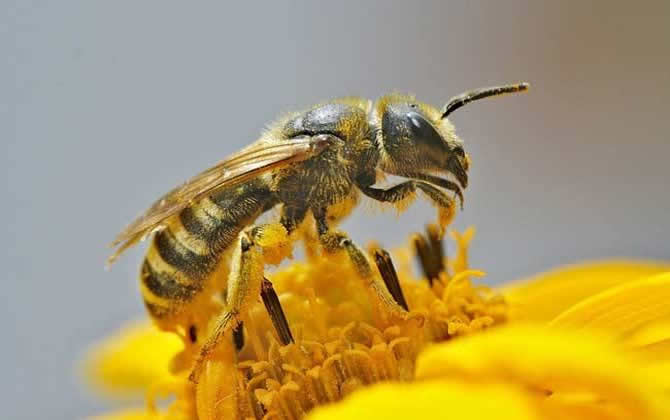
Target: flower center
pixel 319 337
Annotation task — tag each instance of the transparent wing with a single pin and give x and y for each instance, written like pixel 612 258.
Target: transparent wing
pixel 249 163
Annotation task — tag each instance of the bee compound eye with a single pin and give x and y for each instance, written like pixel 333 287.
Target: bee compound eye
pixel 416 120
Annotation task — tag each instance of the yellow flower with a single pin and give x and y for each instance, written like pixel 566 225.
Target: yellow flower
pixel 518 372
pixel 590 341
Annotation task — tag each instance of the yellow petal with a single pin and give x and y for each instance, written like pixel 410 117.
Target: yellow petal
pixel 176 411
pixel 430 400
pixel 652 344
pixel 653 333
pixel 565 365
pixel 130 414
pixel 660 370
pixel 134 358
pixel 657 351
pixel 544 296
pixel 621 310
pixel 460 261
pixel 217 389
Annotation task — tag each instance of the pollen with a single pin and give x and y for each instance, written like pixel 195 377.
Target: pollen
pixel 323 338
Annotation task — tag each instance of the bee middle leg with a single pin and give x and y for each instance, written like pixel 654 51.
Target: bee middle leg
pixel 333 241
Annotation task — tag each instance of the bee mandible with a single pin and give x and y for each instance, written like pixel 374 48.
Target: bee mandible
pixel 312 165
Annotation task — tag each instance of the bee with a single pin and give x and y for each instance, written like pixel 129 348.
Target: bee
pixel 312 165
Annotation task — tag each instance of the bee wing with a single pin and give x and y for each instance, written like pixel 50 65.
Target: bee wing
pixel 249 163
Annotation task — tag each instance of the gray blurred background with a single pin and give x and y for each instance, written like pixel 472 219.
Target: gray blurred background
pixel 110 104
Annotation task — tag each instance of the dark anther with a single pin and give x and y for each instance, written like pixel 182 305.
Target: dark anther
pixel 238 336
pixel 272 305
pixel 423 252
pixel 385 265
pixel 430 252
pixel 436 246
pixel 192 334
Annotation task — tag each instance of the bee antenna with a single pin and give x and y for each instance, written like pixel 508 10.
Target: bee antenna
pixel 467 97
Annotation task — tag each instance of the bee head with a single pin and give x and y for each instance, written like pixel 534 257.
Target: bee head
pixel 417 138
pixel 412 138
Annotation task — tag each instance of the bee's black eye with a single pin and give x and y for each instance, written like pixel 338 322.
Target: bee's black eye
pixel 403 125
pixel 422 128
pixel 412 106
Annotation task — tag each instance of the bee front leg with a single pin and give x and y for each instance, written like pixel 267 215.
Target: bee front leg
pixel 333 241
pixel 405 190
pixel 393 194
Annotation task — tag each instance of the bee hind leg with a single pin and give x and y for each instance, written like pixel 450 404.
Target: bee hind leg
pixel 258 245
pixel 333 241
pixel 244 285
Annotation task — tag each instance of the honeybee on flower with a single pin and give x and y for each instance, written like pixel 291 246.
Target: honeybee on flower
pixel 314 165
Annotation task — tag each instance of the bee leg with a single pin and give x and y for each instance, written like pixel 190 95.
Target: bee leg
pixel 244 285
pixel 438 197
pixel 446 208
pixel 439 182
pixel 405 190
pixel 333 241
pixel 393 194
pixel 291 217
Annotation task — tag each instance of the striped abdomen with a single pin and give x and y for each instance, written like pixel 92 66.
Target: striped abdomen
pixel 184 254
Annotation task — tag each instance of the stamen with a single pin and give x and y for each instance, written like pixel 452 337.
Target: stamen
pixel 192 334
pixel 430 252
pixel 387 270
pixel 436 245
pixel 238 336
pixel 422 251
pixel 344 343
pixel 272 305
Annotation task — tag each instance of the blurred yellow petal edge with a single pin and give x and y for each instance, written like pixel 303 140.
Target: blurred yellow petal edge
pixel 544 296
pixel 555 361
pixel 621 310
pixel 134 358
pixel 128 414
pixel 436 399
